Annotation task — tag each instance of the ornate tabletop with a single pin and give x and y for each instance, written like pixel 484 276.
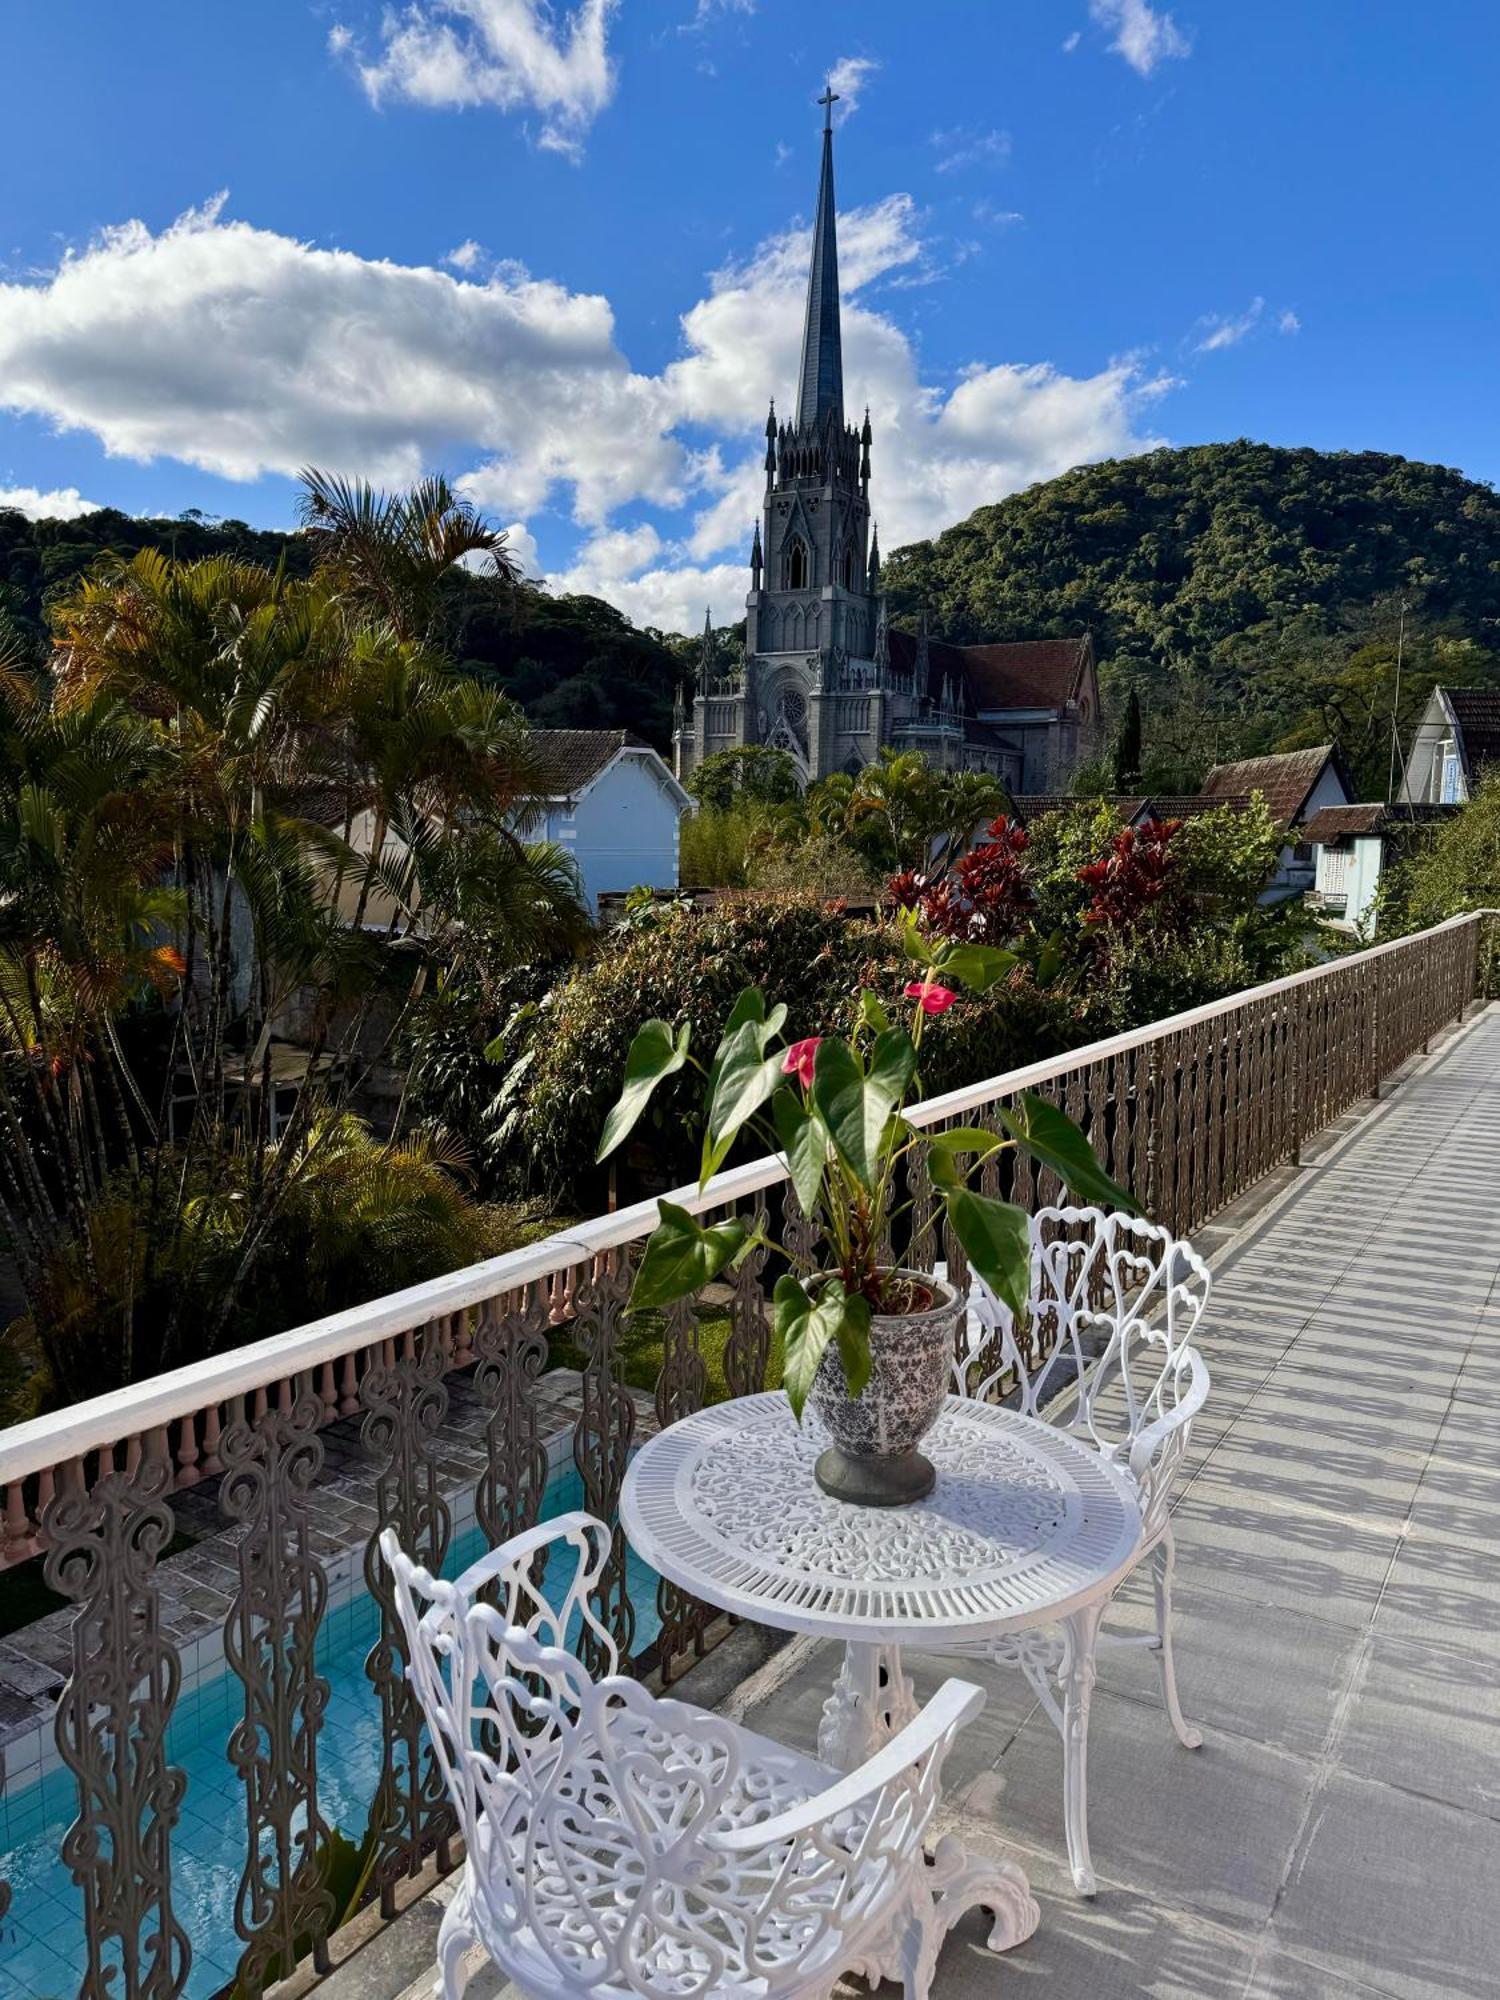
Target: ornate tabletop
pixel 1024 1525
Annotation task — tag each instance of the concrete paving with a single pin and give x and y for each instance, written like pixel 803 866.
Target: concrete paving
pixel 1338 1530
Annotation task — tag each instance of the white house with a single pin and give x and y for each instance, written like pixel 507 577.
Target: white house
pixel 1352 845
pixel 1458 734
pixel 614 806
pixel 1296 784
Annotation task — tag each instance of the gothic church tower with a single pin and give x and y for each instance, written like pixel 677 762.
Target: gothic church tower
pixel 813 680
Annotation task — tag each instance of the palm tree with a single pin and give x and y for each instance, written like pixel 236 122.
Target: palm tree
pixel 388 554
pixel 234 788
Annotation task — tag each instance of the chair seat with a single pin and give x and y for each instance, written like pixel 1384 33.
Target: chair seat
pixel 585 1879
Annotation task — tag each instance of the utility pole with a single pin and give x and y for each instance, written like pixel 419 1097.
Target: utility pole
pixel 1390 787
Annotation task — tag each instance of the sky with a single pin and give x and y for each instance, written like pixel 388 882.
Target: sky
pixel 559 252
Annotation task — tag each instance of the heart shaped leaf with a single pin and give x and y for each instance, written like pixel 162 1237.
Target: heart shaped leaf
pixel 655 1054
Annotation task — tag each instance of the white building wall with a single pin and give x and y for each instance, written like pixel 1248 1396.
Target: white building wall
pixel 1296 870
pixel 622 832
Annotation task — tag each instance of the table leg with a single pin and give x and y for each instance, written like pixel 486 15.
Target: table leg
pixel 872 1699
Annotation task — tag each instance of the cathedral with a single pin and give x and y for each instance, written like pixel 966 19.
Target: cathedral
pixel 823 676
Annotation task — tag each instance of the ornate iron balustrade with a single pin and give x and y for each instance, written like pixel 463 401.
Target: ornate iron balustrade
pixel 1190 1111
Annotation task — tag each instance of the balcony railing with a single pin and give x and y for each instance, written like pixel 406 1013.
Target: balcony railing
pixel 1189 1112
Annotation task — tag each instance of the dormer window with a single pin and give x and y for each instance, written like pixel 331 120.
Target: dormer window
pixel 796 564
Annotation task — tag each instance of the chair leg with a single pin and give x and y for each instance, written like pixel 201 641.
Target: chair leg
pixel 455 1935
pixel 1078 1674
pixel 1162 1561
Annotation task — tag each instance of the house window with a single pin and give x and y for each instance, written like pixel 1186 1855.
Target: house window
pixel 796 565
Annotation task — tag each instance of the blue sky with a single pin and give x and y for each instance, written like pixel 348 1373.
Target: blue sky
pixel 559 251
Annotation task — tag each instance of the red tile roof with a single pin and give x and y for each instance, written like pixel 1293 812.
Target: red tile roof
pixel 571 757
pixel 1341 822
pixel 1023 673
pixel 1284 781
pixel 1477 713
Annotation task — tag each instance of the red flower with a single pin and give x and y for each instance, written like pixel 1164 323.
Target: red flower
pixel 935 999
pixel 799 1058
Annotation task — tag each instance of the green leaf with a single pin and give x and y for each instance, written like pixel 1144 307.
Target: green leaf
pixel 681 1256
pixel 1049 960
pixel 856 1106
pixel 977 966
pixel 943 1149
pixel 1050 1135
pixel 806 1326
pixel 804 1140
pixel 872 1014
pixel 744 1077
pixel 912 941
pixel 996 1236
pixel 654 1054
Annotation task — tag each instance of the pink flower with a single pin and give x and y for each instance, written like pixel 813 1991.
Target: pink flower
pixel 799 1058
pixel 935 999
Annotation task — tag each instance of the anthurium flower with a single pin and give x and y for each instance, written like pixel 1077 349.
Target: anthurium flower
pixel 799 1058
pixel 935 999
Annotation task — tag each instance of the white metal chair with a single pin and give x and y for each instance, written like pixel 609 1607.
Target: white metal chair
pixel 621 1843
pixel 1113 1304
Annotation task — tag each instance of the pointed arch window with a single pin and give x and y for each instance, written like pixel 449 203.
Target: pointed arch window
pixel 846 567
pixel 797 567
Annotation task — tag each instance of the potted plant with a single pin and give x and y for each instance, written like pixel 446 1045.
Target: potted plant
pixel 867 1341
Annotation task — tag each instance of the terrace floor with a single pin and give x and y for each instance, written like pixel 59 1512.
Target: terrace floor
pixel 1338 1622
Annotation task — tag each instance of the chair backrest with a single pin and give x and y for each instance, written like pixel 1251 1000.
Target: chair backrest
pixel 1106 1350
pixel 595 1814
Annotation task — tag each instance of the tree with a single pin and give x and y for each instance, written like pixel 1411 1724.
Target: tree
pixel 1126 755
pixel 756 773
pixel 1451 867
pixel 236 797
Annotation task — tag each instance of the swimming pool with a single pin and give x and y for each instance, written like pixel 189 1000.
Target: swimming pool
pixel 41 1937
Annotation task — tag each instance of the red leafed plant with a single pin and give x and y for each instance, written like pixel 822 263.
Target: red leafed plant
pixel 1129 883
pixel 985 900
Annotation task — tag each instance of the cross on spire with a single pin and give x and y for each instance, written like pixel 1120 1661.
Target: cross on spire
pixel 829 98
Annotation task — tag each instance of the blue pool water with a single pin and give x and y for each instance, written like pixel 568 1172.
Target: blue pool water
pixel 41 1937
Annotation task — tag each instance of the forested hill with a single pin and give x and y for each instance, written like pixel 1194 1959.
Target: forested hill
pixel 1251 593
pixel 573 662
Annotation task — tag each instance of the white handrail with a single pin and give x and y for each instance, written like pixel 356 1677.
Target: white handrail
pixel 62 1436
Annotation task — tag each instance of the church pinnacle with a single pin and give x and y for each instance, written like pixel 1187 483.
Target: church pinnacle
pixel 820 388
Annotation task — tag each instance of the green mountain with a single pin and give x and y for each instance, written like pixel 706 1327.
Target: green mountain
pixel 573 662
pixel 1251 595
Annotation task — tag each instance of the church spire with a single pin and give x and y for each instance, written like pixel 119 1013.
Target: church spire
pixel 820 388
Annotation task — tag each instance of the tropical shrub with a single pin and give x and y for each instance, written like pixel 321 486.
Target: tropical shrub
pixel 755 773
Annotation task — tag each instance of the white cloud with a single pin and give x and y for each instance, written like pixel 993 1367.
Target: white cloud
pixel 1288 322
pixel 340 39
pixel 466 255
pixel 1216 332
pixel 846 80
pixel 521 545
pixel 244 352
pixel 510 54
pixel 1142 36
pixel 993 216
pixel 1071 42
pixel 62 503
pixel 964 146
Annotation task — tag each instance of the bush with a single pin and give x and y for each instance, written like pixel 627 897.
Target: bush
pixel 713 848
pixel 692 966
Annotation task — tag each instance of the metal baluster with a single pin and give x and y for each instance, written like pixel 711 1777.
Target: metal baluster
pixel 747 1352
pixel 104 1543
pixel 680 1391
pixel 284 1908
pixel 602 1440
pixel 510 1345
pixel 405 1401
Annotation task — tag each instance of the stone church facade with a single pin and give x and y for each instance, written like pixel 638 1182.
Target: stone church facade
pixel 824 677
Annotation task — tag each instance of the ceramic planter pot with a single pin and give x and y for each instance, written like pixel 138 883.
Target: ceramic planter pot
pixel 873 1459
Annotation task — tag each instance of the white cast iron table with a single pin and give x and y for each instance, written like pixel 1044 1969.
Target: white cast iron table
pixel 1025 1528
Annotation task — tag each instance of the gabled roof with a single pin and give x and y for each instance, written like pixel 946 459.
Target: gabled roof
pixel 1342 822
pixel 1476 711
pixel 1285 781
pixel 1132 808
pixel 572 758
pixel 1021 673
